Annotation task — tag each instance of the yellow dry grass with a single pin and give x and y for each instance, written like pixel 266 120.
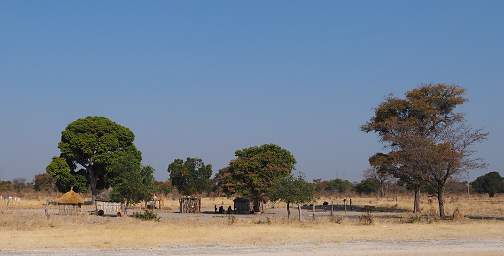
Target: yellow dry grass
pixel 35 232
pixel 23 225
pixel 477 205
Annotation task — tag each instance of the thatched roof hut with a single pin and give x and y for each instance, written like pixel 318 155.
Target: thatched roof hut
pixel 70 203
pixel 70 198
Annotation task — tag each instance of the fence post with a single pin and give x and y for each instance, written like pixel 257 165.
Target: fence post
pixel 313 211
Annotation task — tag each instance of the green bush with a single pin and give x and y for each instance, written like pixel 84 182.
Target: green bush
pixel 147 215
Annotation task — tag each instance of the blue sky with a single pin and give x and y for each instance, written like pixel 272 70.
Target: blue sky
pixel 204 78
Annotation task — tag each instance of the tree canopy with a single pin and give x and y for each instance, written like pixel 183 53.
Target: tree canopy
pixel 64 178
pixel 429 142
pixel 367 186
pixel 255 169
pixel 339 185
pixel 89 146
pixel 491 183
pixel 43 182
pixel 190 177
pixel 133 182
pixel 290 189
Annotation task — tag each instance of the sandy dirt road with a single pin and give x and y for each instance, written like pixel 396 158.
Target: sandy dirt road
pixel 359 248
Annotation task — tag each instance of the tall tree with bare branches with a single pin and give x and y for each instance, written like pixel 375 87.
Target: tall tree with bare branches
pixel 429 141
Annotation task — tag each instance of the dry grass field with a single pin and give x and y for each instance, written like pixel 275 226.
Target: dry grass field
pixel 24 226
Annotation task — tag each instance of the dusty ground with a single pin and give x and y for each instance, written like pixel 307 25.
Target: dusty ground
pixel 359 248
pixel 25 230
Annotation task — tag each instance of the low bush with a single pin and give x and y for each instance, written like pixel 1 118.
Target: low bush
pixel 367 219
pixel 336 219
pixel 146 215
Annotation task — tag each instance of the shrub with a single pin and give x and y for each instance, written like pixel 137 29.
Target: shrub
pixel 146 215
pixel 367 219
pixel 336 219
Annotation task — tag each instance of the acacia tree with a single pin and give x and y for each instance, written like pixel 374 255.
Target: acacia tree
pixel 255 169
pixel 190 177
pixel 427 138
pixel 382 168
pixel 444 158
pixel 89 146
pixel 292 190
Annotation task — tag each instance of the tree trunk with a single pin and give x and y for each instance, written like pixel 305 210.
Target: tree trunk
pixel 288 210
pixel 92 183
pixel 441 199
pixel 299 212
pixel 416 203
pixel 257 205
pixel 381 189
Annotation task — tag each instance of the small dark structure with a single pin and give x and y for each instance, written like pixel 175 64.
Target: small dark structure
pixel 190 204
pixel 243 205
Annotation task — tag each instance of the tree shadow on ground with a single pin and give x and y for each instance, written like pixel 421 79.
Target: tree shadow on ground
pixel 355 208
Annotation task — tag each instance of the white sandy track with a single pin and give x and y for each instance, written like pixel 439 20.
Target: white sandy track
pixel 360 248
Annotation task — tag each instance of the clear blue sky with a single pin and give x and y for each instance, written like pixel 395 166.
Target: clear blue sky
pixel 204 78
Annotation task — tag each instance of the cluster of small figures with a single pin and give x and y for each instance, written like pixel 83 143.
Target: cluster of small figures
pixel 220 210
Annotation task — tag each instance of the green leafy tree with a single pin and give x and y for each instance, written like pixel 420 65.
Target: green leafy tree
pixel 190 177
pixel 134 183
pixel 367 186
pixel 292 190
pixel 89 146
pixel 491 183
pixel 254 170
pixel 339 185
pixel 64 178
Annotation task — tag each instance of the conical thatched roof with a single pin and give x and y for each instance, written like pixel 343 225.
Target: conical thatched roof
pixel 70 197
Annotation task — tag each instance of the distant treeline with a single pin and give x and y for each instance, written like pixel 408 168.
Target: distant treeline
pixel 490 183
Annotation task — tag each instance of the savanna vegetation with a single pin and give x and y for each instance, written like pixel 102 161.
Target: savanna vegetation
pixel 428 148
